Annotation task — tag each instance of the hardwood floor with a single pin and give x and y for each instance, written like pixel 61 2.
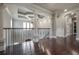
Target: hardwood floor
pixel 26 48
pixel 46 46
pixel 59 46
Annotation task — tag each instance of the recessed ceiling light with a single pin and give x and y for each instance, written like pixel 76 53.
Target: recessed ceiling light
pixel 65 10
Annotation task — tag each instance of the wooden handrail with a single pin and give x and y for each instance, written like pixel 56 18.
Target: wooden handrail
pixel 27 28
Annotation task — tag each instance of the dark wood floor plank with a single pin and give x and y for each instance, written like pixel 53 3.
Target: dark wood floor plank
pixel 26 48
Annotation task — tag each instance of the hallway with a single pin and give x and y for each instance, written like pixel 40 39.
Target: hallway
pixel 39 29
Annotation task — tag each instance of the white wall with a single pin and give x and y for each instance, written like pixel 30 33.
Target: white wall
pixel 9 13
pixel 13 10
pixel 45 23
pixel 60 25
pixel 6 19
pixel 1 29
pixel 1 22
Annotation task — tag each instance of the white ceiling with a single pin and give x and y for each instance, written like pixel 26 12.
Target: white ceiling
pixel 51 6
pixel 58 6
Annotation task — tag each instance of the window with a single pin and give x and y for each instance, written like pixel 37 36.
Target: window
pixel 24 24
pixel 27 25
pixel 11 23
